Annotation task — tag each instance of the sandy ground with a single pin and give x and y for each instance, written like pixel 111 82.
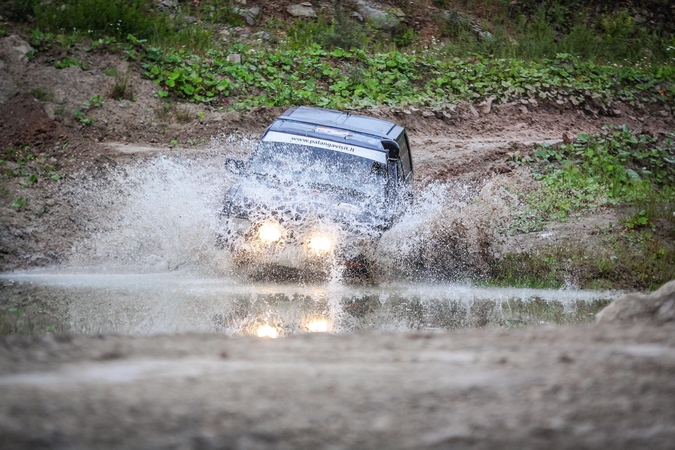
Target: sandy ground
pixel 570 387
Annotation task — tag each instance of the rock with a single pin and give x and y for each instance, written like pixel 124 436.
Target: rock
pixel 264 35
pixel 488 105
pixel 13 49
pixel 657 307
pixel 301 10
pixel 234 58
pixel 524 110
pixel 249 14
pixel 189 19
pixel 484 35
pixel 474 112
pixel 377 15
pixel 357 15
pixel 165 5
pixel 639 19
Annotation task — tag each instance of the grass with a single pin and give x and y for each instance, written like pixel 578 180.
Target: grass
pixel 613 167
pixel 526 29
pixel 121 89
pixel 636 260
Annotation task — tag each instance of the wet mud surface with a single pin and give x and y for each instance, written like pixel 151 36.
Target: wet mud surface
pixel 569 387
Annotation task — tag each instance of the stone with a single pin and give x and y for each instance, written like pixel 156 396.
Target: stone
pixel 165 5
pixel 474 112
pixel 484 35
pixel 639 19
pixel 657 307
pixel 487 107
pixel 301 10
pixel 264 35
pixel 14 49
pixel 234 58
pixel 249 14
pixel 377 15
pixel 524 110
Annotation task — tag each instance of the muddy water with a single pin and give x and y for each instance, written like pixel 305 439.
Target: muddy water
pixel 38 303
pixel 158 219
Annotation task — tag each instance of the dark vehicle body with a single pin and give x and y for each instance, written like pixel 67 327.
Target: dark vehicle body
pixel 317 193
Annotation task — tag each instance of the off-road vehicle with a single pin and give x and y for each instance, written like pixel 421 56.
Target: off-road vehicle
pixel 317 193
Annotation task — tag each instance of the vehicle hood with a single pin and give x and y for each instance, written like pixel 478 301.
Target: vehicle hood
pixel 259 198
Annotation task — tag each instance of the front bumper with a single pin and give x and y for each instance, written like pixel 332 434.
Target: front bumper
pixel 317 249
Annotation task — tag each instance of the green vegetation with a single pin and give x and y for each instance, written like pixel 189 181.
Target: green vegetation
pixel 534 50
pixel 42 95
pixel 121 89
pixel 30 321
pixel 96 101
pixel 21 163
pixel 69 62
pixel 354 79
pixel 601 31
pixel 641 259
pixel 96 19
pixel 633 172
pixel 613 167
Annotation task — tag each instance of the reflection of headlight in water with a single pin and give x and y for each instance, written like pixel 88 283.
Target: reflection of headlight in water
pixel 269 233
pixel 320 244
pixel 318 326
pixel 267 331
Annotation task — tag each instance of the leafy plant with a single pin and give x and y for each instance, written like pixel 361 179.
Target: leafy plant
pixel 82 118
pixel 608 168
pixel 19 204
pixel 69 62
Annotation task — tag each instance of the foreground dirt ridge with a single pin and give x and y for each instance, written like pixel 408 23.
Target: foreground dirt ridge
pixel 570 387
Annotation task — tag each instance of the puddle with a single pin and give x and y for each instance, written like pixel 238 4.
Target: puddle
pixel 145 304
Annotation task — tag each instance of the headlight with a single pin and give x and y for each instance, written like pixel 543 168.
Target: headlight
pixel 267 331
pixel 269 233
pixel 318 326
pixel 320 244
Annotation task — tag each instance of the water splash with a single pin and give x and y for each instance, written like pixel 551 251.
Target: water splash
pixel 451 233
pixel 162 214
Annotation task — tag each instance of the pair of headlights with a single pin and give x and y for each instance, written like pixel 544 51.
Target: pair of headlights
pixel 270 233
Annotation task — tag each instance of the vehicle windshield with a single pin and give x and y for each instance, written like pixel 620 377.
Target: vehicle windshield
pixel 316 166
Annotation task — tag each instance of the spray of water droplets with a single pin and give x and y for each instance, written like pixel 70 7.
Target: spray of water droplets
pixel 162 214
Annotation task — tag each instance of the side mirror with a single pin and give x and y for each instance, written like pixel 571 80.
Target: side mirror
pixel 392 148
pixel 236 166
